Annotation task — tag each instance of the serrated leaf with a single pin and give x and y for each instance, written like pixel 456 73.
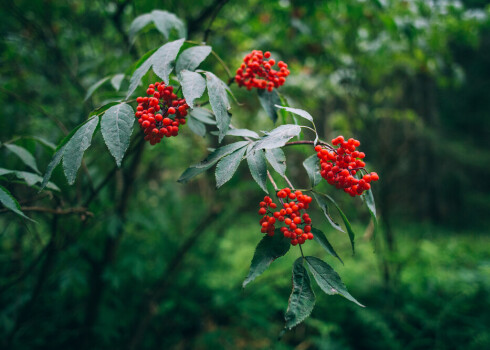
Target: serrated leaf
pixel 11 203
pixel 24 155
pixel 268 101
pixel 116 81
pixel 242 133
pixel 94 87
pixel 218 98
pixel 278 137
pixel 322 203
pixel 312 166
pixel 277 159
pixel 327 279
pixel 347 224
pixel 302 298
pixel 117 126
pixel 166 21
pixel 163 59
pixel 138 23
pixel 190 173
pixel 258 168
pixel 322 240
pixel 138 74
pixel 297 111
pixel 269 249
pixel 191 58
pixel 193 86
pixel 30 178
pixel 203 115
pixel 196 126
pixel 74 149
pixel 228 165
pixel 220 153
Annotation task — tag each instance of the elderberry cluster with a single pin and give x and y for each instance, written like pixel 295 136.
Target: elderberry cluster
pixel 161 113
pixel 256 71
pixel 298 226
pixel 339 166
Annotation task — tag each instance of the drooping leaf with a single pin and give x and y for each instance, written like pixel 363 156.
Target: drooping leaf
pixel 347 224
pixel 138 23
pixel 116 81
pixel 327 279
pixel 24 155
pixel 190 173
pixel 163 59
pixel 218 99
pixel 269 249
pixel 138 74
pixel 312 166
pixel 322 203
pixel 30 178
pixel 11 203
pixel 278 137
pixel 368 198
pixel 42 141
pixel 277 159
pixel 191 58
pixel 302 298
pixel 74 149
pixel 117 126
pixel 166 21
pixel 220 153
pixel 94 87
pixel 52 165
pixel 322 240
pixel 193 86
pixel 269 100
pixel 196 126
pixel 228 165
pixel 203 115
pixel 258 168
pixel 297 111
pixel 242 133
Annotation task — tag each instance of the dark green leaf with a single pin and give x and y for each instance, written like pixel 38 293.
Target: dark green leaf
pixel 322 203
pixel 196 126
pixel 166 21
pixel 220 153
pixel 322 240
pixel 94 87
pixel 268 100
pixel 52 165
pixel 228 165
pixel 193 86
pixel 312 166
pixel 30 178
pixel 218 99
pixel 300 112
pixel 268 250
pixel 117 126
pixel 11 203
pixel 302 298
pixel 278 137
pixel 138 74
pixel 138 23
pixel 163 59
pixel 24 155
pixel 190 173
pixel 277 159
pixel 191 58
pixel 73 152
pixel 327 279
pixel 368 198
pixel 347 224
pixel 258 168
pixel 203 115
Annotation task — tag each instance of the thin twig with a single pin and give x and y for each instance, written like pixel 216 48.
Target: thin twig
pixel 272 181
pixel 215 14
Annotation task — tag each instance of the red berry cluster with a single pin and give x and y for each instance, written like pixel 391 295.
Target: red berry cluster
pixel 256 71
pixel 339 166
pixel 290 214
pixel 173 110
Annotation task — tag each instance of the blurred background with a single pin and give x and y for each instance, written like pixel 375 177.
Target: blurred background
pixel 152 264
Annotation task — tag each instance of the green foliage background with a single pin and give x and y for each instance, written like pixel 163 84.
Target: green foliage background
pixel 159 265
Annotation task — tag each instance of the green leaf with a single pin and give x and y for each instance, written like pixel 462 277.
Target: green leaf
pixel 302 298
pixel 220 153
pixel 368 198
pixel 322 240
pixel 163 59
pixel 117 126
pixel 11 203
pixel 138 23
pixel 347 224
pixel 191 58
pixel 30 178
pixel 297 111
pixel 242 133
pixel 74 149
pixel 190 173
pixel 196 126
pixel 322 203
pixel 24 155
pixel 277 159
pixel 327 279
pixel 193 86
pixel 166 21
pixel 52 165
pixel 42 141
pixel 94 87
pixel 269 249
pixel 203 115
pixel 116 81
pixel 278 137
pixel 228 165
pixel 218 99
pixel 312 166
pixel 269 100
pixel 258 168
pixel 138 74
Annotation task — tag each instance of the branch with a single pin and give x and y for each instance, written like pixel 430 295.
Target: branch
pixel 58 211
pixel 215 14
